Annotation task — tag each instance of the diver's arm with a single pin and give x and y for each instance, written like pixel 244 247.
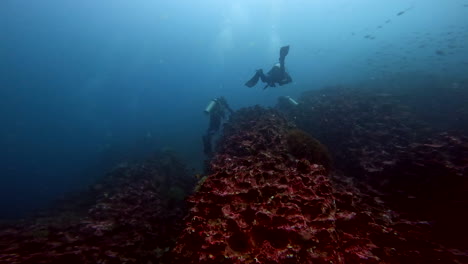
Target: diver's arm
pixel 285 80
pixel 228 108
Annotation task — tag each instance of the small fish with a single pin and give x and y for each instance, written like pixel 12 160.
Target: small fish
pixel 388 21
pixel 404 11
pixel 440 52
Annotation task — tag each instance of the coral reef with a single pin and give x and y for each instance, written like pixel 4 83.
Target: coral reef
pixel 377 139
pixel 132 216
pixel 429 180
pixel 395 193
pixel 260 204
pixel 302 146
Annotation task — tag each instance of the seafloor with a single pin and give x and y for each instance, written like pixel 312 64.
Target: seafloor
pixel 350 175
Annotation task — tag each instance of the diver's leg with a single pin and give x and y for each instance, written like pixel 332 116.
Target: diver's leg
pixel 283 52
pixel 263 77
pixel 253 81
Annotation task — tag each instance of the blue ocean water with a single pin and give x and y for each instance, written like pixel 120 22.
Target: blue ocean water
pixel 86 85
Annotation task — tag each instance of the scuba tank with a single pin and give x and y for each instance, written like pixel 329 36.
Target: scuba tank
pixel 292 101
pixel 210 106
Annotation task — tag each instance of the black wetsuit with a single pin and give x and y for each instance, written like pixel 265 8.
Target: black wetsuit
pixel 217 114
pixel 277 74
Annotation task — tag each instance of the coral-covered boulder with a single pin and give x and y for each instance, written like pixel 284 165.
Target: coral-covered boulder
pixel 260 204
pixel 382 140
pixel 302 146
pixel 265 202
pixel 132 215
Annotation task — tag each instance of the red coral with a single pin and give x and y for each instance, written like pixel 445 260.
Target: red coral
pixel 131 218
pixel 262 205
pixel 384 145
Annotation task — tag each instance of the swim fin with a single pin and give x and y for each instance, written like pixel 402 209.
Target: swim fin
pixel 283 52
pixel 253 81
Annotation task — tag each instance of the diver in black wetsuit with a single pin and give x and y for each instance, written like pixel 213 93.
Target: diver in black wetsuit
pixel 217 111
pixel 277 74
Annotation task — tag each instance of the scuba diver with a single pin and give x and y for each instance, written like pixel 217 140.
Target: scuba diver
pixel 217 111
pixel 277 74
pixel 288 106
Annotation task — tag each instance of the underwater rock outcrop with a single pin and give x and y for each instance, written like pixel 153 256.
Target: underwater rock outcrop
pixel 429 181
pixel 419 170
pixel 302 146
pixel 261 204
pixel 396 192
pixel 132 216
